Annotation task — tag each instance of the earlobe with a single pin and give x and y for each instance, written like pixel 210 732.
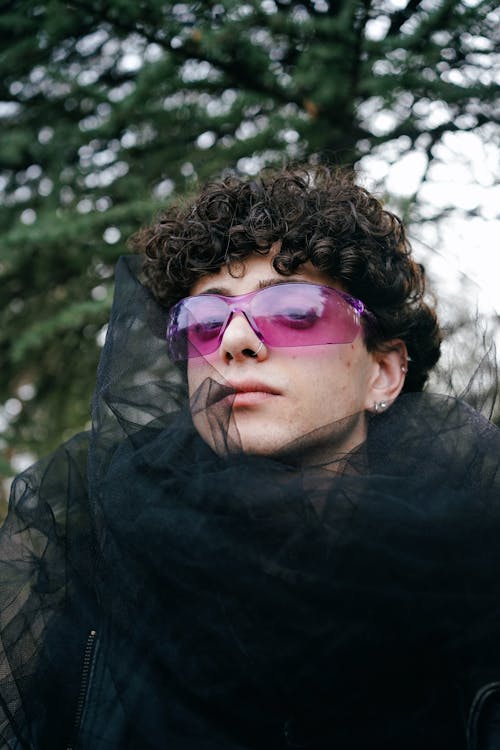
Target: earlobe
pixel 389 375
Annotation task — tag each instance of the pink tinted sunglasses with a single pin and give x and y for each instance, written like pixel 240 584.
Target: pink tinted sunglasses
pixel 287 314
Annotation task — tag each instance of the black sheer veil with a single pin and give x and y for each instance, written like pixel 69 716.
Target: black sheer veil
pixel 244 601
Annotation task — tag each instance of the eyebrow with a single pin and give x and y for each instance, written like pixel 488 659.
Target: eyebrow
pixel 225 292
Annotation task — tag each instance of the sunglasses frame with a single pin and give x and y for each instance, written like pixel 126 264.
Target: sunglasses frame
pixel 234 306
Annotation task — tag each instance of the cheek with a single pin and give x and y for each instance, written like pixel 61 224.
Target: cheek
pixel 198 369
pixel 320 362
pixel 327 378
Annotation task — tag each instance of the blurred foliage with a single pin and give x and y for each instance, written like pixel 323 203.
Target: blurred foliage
pixel 109 109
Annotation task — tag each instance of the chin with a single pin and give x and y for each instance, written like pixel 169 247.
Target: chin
pixel 258 438
pixel 319 445
pixel 254 448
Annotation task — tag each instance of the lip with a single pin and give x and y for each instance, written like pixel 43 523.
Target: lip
pixel 252 393
pixel 254 386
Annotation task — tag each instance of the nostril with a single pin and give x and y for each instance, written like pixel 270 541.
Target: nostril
pixel 239 340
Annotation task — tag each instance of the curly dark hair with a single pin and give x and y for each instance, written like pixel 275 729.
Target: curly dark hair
pixel 317 214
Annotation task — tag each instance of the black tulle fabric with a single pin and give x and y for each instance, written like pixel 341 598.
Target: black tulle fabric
pixel 242 602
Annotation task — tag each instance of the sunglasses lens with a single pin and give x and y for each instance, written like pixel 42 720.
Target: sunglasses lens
pixel 194 326
pixel 304 315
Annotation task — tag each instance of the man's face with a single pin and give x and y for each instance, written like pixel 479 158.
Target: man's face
pixel 316 395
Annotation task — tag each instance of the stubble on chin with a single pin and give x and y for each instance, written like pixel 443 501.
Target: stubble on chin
pixel 327 445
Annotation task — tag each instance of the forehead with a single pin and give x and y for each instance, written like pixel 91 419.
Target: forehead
pixel 253 273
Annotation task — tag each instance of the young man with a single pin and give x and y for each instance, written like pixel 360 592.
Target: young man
pixel 278 541
pixel 301 227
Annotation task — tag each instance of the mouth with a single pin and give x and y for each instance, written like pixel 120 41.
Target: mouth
pixel 252 394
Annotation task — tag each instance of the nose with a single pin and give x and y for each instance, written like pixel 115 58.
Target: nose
pixel 240 342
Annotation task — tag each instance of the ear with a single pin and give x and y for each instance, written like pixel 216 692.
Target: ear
pixel 389 372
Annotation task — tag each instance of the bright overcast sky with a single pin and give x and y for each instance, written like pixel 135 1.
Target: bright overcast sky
pixel 464 178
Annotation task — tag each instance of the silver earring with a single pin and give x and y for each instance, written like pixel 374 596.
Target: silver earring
pixel 379 406
pixel 404 368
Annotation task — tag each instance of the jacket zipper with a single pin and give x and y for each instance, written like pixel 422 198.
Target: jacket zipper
pixel 480 699
pixel 87 669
